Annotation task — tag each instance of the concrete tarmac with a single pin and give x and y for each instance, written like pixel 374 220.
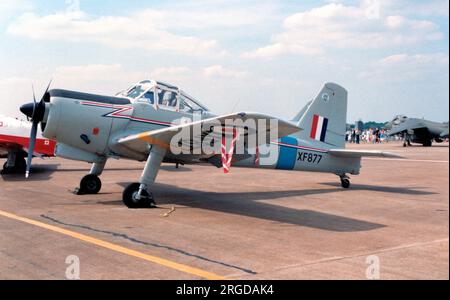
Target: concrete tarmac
pixel 249 224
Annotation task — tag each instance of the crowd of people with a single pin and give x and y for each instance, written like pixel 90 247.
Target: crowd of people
pixel 372 135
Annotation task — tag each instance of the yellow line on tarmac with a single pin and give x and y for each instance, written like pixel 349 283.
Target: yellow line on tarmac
pixel 117 248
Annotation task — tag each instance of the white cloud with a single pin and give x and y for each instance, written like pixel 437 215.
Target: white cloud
pixel 423 59
pixel 11 6
pixel 146 29
pixel 230 18
pixel 89 72
pixel 219 71
pixel 170 73
pixel 13 92
pixel 421 8
pixel 407 67
pixel 335 25
pixel 95 78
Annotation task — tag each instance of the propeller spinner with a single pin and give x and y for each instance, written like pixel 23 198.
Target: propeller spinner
pixel 35 112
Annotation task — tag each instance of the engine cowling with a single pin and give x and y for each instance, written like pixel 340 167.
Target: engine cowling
pixel 76 124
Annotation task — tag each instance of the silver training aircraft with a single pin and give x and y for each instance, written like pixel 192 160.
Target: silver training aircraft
pixel 148 121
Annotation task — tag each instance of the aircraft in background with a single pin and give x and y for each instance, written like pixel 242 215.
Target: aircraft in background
pixel 14 144
pixel 419 131
pixel 142 122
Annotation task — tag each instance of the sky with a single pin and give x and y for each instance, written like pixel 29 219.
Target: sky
pixel 234 55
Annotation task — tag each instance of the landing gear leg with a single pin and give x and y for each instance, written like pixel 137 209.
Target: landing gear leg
pixel 345 181
pixel 137 195
pixel 406 140
pixel 91 183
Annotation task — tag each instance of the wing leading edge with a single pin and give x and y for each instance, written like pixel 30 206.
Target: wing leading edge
pixel 162 137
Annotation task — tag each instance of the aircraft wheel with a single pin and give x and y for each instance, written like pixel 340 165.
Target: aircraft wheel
pixel 90 184
pixel 131 200
pixel 345 183
pixel 427 144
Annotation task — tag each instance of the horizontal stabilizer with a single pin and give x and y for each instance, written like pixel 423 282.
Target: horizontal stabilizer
pixel 348 153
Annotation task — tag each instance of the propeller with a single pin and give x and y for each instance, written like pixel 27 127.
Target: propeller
pixel 35 112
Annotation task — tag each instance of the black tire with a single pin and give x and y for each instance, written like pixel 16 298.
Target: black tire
pixel 427 144
pixel 129 197
pixel 345 183
pixel 90 185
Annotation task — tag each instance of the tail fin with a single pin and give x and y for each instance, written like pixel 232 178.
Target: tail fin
pixel 300 114
pixel 325 118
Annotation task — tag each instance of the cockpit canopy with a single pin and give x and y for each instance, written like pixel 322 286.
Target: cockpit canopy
pixel 399 119
pixel 163 95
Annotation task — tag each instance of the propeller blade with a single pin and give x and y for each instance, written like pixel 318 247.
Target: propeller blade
pixel 34 95
pixel 36 114
pixel 33 136
pixel 34 101
pixel 46 90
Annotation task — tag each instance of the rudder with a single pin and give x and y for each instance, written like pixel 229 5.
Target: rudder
pixel 325 118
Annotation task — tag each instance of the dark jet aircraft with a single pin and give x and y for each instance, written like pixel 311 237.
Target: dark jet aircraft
pixel 419 131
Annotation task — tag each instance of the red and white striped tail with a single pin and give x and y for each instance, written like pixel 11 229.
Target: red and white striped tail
pixel 228 156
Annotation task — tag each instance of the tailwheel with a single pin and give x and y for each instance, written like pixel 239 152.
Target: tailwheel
pixel 345 181
pixel 133 197
pixel 89 185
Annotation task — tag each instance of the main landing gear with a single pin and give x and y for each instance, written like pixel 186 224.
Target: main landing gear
pixel 427 143
pixel 137 195
pixel 15 164
pixel 91 183
pixel 345 181
pixel 133 199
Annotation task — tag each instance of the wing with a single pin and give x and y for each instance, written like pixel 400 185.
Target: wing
pixel 162 137
pixel 7 145
pixel 16 143
pixel 406 126
pixel 348 153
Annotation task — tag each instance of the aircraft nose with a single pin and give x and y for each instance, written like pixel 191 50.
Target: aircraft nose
pixel 27 109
